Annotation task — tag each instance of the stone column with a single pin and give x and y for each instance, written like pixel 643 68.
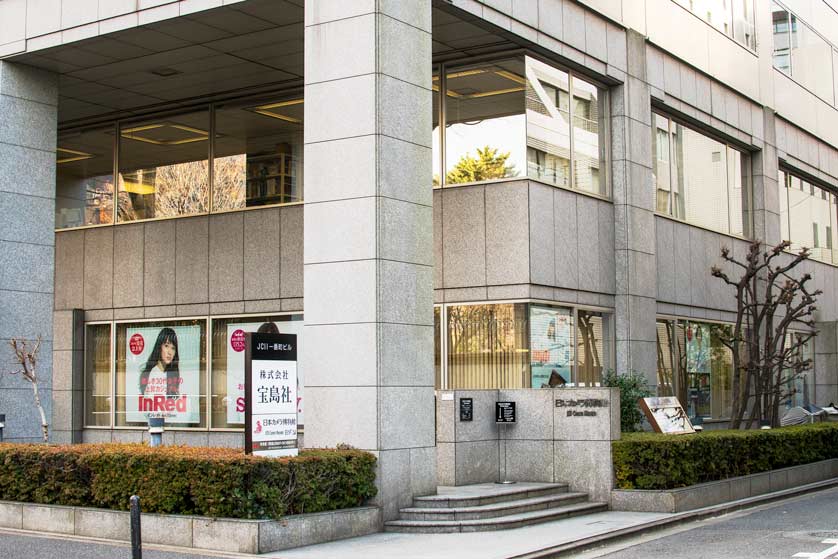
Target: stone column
pixel 764 181
pixel 368 238
pixel 825 389
pixel 28 127
pixel 634 217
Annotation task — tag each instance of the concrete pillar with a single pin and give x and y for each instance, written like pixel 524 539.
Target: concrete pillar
pixel 634 217
pixel 825 390
pixel 28 128
pixel 766 198
pixel 368 261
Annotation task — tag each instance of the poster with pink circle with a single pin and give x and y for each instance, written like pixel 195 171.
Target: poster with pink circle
pixel 235 365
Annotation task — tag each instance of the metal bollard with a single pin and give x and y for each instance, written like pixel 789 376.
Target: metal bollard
pixel 136 536
pixel 155 431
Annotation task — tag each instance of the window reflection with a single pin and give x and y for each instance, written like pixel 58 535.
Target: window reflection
pixel 164 167
pixel 734 18
pixel 593 347
pixel 808 217
pixel 801 53
pixel 84 178
pixel 485 124
pixel 548 124
pixel 258 154
pixel 588 143
pixel 696 366
pixel 700 179
pixel 97 375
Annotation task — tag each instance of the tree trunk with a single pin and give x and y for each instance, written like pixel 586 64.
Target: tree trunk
pixel 44 424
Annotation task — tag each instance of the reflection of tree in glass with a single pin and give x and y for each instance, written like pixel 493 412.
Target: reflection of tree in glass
pixel 228 186
pixel 181 189
pixel 489 164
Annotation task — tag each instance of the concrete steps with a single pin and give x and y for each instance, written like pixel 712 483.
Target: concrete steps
pixel 485 507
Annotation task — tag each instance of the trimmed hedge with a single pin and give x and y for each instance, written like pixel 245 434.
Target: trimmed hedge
pixel 656 461
pixel 214 482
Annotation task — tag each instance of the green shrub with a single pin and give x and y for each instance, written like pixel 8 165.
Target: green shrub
pixel 633 386
pixel 213 482
pixel 657 461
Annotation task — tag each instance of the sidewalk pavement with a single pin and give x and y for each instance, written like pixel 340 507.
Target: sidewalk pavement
pixel 501 544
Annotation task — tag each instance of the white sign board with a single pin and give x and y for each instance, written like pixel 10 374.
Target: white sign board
pixel 271 394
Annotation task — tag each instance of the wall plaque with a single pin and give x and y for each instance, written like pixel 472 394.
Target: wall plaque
pixel 504 412
pixel 466 409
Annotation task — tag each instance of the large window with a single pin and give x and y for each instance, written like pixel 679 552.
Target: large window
pixel 520 117
pixel 213 159
pixel 695 366
pixel 802 53
pixel 84 178
pixel 227 371
pixel 521 345
pixel 136 370
pixel 800 386
pixel 808 217
pixel 699 179
pixel 734 18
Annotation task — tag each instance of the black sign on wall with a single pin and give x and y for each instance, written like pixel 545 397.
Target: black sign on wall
pixel 504 412
pixel 466 409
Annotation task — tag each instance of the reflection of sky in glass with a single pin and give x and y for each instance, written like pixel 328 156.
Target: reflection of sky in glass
pixel 506 133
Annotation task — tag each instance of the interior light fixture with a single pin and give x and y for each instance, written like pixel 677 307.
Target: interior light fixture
pixel 133 134
pixel 511 76
pixel 165 72
pixel 72 155
pixel 268 110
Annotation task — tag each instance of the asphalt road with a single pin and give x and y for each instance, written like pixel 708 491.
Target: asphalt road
pixel 775 531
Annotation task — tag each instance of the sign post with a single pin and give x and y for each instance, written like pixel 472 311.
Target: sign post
pixel 504 415
pixel 270 394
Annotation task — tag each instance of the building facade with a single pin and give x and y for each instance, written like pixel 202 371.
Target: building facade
pixel 433 194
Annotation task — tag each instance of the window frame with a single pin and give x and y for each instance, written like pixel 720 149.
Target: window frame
pixel 788 174
pixel 116 126
pixel 574 308
pixel 442 68
pixel 745 154
pixel 208 320
pixel 673 349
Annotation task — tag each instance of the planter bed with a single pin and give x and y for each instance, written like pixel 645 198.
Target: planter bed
pixel 197 532
pixel 716 492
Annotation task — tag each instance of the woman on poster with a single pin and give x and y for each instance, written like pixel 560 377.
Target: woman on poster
pixel 161 372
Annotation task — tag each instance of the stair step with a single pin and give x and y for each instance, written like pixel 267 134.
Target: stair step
pixel 486 494
pixel 493 510
pixel 498 523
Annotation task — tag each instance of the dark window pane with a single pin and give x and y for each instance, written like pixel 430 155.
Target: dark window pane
pixel 84 178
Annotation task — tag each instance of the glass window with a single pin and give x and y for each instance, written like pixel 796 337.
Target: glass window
pixel 164 167
pixel 84 178
pixel 782 41
pixel 593 347
pixel 485 126
pixel 558 152
pixel 97 375
pixel 258 157
pixel 800 386
pixel 808 217
pixel 487 346
pixel 521 345
pixel 548 124
pixel 709 371
pixel 734 18
pixel 228 364
pixel 803 54
pixel 161 372
pixel 701 180
pixel 552 355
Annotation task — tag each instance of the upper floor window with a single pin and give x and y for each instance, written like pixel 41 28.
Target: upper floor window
pixel 520 117
pixel 214 159
pixel 699 179
pixel 801 53
pixel 808 217
pixel 734 18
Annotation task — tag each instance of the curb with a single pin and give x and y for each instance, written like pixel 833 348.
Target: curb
pixel 592 542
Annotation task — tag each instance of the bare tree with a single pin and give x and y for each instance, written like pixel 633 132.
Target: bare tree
pixel 28 360
pixel 770 302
